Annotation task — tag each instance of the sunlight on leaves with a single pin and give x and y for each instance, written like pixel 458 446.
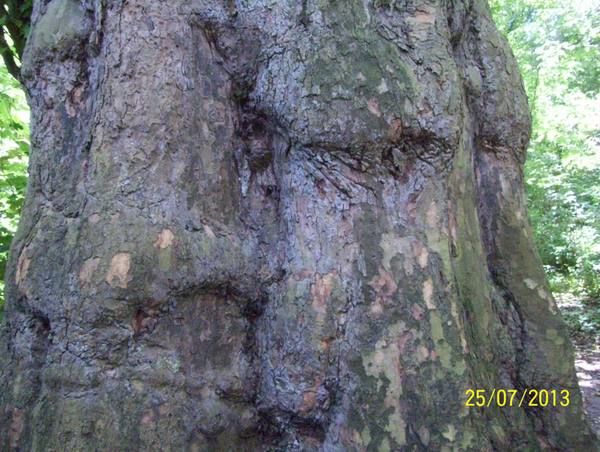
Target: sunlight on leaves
pixel 14 151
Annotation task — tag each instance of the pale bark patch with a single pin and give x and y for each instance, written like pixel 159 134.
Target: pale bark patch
pixel 552 306
pixel 70 109
pixel 205 392
pixel 391 246
pixel 420 253
pixel 417 312
pixel 356 438
pixel 205 334
pixel 383 87
pixel 87 270
pixel 165 239
pixel 119 268
pixel 366 436
pixel 373 106
pixel 552 335
pixel 386 360
pixel 530 283
pixel 426 15
pixel 424 435
pixel 309 397
pixel 321 291
pixel 428 294
pixel 453 226
pixel 137 385
pixel 542 293
pixel 376 309
pixel 395 130
pixel 422 23
pixel 411 208
pixel 22 266
pixel 422 354
pixel 209 232
pixel 326 344
pixel 424 18
pixel 16 427
pixel 505 185
pixel 463 342
pixel 164 409
pixel 385 287
pixel 148 417
pixel 533 285
pixel 397 426
pixel 62 24
pixel 450 434
pixel 432 215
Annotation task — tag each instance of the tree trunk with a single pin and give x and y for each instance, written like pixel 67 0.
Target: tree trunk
pixel 278 226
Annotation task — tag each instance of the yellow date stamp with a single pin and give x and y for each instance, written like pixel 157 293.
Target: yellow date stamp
pixel 512 397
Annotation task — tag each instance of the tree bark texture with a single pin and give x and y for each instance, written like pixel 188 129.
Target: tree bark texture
pixel 263 225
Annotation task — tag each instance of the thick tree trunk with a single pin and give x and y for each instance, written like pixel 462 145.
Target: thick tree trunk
pixel 276 226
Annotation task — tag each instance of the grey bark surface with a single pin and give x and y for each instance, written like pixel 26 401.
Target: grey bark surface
pixel 277 226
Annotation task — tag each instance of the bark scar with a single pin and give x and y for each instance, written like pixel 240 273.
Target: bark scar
pixel 22 266
pixel 119 267
pixel 165 239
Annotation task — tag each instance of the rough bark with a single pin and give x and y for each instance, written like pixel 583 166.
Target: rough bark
pixel 274 226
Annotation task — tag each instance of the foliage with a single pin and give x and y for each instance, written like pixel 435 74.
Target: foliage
pixel 557 45
pixel 14 150
pixel 14 125
pixel 14 29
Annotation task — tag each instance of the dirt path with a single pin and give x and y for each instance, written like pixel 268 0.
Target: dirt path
pixel 587 364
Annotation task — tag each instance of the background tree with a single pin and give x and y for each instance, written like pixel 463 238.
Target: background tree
pixel 277 226
pixel 558 49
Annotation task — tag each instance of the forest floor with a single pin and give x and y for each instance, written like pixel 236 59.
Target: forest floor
pixel 586 342
pixel 587 364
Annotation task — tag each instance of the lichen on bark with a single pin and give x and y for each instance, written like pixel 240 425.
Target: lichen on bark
pixel 276 226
